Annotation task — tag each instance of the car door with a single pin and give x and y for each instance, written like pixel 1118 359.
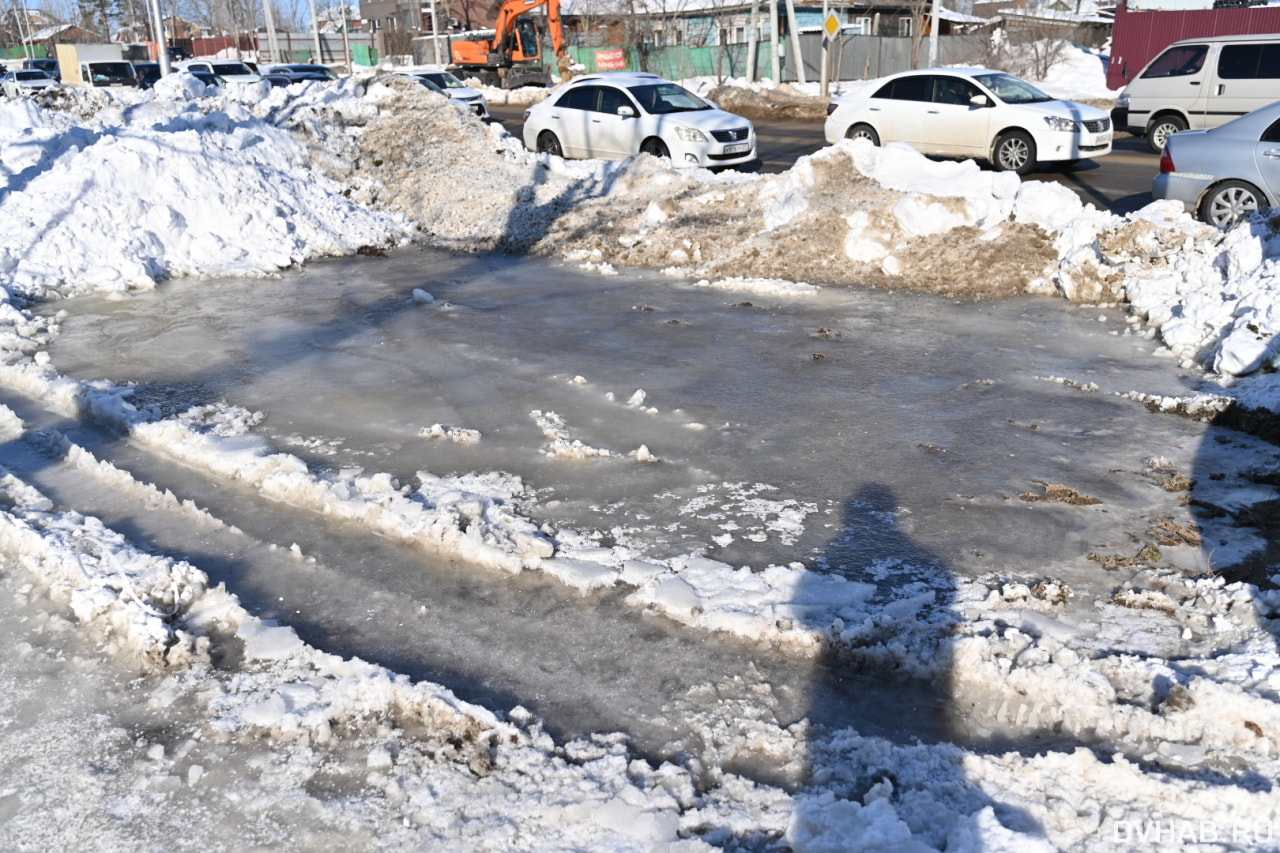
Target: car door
pixel 1267 158
pixel 569 117
pixel 952 125
pixel 1246 77
pixel 897 109
pixel 613 136
pixel 1173 80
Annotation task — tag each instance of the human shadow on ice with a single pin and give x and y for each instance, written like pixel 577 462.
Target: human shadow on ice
pixel 896 780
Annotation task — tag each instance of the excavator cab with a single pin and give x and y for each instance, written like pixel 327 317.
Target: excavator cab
pixel 524 41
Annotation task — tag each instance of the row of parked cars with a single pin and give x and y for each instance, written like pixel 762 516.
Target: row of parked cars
pixel 1207 106
pixel 952 112
pixel 42 73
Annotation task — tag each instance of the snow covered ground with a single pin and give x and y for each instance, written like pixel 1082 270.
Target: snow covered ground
pixel 144 706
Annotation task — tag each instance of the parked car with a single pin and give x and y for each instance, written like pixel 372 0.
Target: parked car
pixel 178 53
pixel 615 115
pixel 1199 83
pixel 458 92
pixel 148 73
pixel 299 72
pixel 230 70
pixel 474 103
pixel 47 65
pixel 971 112
pixel 18 83
pixel 1222 173
pixel 209 79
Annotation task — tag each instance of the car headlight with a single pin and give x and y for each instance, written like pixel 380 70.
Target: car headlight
pixel 1123 100
pixel 1059 123
pixel 691 134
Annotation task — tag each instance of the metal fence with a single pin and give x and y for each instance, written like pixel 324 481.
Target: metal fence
pixel 851 58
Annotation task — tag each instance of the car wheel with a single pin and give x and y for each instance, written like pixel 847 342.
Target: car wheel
pixel 1226 203
pixel 655 147
pixel 1159 130
pixel 549 143
pixel 1015 151
pixel 863 131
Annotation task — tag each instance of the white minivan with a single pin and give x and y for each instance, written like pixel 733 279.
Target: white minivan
pixel 1196 84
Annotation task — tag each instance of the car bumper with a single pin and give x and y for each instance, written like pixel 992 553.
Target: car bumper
pixel 1072 146
pixel 1120 120
pixel 476 107
pixel 1180 187
pixel 710 155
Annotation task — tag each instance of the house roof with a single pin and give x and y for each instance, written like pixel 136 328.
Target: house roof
pixel 1052 16
pixel 51 32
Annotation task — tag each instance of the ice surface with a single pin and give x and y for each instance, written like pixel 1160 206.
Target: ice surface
pixel 772 566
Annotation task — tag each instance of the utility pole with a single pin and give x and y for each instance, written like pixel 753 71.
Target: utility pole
pixel 157 26
pixel 773 37
pixel 795 40
pixel 315 29
pixel 273 44
pixel 933 33
pixel 435 33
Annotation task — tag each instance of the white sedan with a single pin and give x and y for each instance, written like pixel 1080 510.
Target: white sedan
pixel 614 116
pixel 971 112
pixel 18 83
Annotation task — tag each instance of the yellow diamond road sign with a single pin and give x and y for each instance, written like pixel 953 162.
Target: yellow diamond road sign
pixel 831 25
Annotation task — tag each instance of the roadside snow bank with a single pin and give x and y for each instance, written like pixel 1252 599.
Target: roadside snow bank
pixel 163 187
pixel 236 196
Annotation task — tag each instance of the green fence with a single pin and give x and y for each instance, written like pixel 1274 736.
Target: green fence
pixel 674 63
pixel 35 51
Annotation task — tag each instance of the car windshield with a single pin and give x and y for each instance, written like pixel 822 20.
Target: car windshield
pixel 232 68
pixel 32 75
pixel 663 98
pixel 426 81
pixel 445 80
pixel 1012 90
pixel 112 71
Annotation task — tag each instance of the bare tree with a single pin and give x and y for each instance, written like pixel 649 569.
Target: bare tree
pixel 918 12
pixel 1037 50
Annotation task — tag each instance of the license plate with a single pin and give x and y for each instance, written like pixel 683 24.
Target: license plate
pixel 1104 137
pixel 740 148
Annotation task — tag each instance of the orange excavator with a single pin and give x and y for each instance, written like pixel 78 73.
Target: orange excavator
pixel 512 57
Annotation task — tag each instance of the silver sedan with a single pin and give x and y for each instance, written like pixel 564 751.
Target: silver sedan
pixel 1221 174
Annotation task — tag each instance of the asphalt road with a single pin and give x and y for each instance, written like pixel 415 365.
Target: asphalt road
pixel 1119 182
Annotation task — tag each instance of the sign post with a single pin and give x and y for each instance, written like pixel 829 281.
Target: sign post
pixel 830 28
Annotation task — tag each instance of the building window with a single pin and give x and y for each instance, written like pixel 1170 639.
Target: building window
pixel 904 27
pixel 862 26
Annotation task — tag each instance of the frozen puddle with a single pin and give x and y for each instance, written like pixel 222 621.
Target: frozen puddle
pixel 738 527
pixel 883 439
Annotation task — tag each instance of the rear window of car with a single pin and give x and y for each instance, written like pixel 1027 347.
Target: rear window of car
pixel 581 98
pixel 915 88
pixel 232 68
pixel 1249 62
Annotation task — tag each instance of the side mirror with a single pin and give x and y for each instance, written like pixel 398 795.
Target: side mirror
pixel 626 112
pixel 979 101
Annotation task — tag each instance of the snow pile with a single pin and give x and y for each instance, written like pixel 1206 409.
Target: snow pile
pixel 159 188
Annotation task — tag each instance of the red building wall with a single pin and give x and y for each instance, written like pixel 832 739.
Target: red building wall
pixel 1138 36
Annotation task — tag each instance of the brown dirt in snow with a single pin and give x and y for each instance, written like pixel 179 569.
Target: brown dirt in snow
pixel 470 188
pixel 770 104
pixel 1061 494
